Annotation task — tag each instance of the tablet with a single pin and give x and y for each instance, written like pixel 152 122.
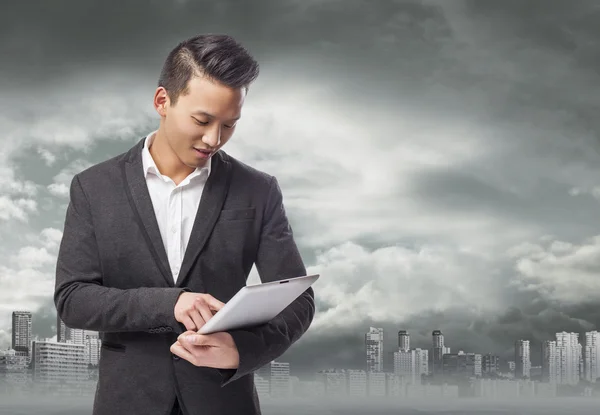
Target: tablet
pixel 256 304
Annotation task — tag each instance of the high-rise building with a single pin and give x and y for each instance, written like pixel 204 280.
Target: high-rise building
pixel 522 359
pixel 438 352
pixel 403 340
pixel 421 362
pixel 21 333
pixel 569 358
pixel 374 349
pixel 550 362
pixel 592 356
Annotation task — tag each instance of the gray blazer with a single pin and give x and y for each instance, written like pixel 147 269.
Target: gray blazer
pixel 113 276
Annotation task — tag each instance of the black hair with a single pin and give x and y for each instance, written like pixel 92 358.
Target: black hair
pixel 218 57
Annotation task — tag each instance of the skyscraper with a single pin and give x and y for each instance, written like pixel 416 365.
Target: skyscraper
pixel 592 355
pixel 21 332
pixel 374 349
pixel 438 352
pixel 569 356
pixel 522 359
pixel 550 362
pixel 403 340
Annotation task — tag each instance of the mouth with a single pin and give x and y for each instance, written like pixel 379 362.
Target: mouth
pixel 202 152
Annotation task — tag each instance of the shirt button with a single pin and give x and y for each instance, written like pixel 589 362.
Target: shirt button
pixel 173 229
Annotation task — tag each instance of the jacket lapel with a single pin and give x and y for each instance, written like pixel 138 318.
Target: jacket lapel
pixel 141 203
pixel 211 202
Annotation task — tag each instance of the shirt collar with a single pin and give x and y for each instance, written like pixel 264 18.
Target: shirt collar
pixel 150 166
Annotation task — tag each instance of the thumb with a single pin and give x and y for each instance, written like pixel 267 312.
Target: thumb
pixel 196 339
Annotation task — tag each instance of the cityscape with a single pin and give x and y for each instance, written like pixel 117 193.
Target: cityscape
pixel 67 364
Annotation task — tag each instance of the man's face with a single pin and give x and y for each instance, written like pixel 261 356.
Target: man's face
pixel 188 127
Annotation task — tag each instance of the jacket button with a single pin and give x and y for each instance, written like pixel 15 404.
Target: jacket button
pixel 176 357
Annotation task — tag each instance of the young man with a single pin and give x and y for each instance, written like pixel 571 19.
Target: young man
pixel 158 238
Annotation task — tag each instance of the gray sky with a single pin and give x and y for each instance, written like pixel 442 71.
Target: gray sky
pixel 439 159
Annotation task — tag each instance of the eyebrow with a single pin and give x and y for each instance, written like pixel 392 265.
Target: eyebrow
pixel 210 115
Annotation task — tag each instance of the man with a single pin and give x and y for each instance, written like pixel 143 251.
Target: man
pixel 158 238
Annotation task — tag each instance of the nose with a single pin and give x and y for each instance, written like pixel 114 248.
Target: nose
pixel 212 136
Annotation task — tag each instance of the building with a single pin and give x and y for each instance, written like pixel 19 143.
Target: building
pixel 569 357
pixel 461 364
pixel 374 349
pixel 357 382
pixel 550 362
pixel 377 383
pixel 411 365
pixel 13 373
pixel 438 352
pixel 61 330
pixel 280 380
pixel 592 356
pixel 490 364
pixel 403 340
pixel 522 359
pixel 93 345
pixel 21 333
pixel 60 367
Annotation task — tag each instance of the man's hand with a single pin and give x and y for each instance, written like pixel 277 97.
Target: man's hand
pixel 216 350
pixel 195 309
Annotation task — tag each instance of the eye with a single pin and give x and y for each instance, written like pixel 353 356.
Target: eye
pixel 200 122
pixel 206 123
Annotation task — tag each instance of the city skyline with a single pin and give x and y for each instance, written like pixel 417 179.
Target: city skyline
pixel 375 352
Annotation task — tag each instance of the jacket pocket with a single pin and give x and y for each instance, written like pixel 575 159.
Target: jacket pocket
pixel 237 214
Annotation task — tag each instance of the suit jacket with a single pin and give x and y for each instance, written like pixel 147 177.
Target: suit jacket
pixel 113 276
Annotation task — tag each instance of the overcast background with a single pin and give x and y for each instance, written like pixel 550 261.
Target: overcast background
pixel 439 159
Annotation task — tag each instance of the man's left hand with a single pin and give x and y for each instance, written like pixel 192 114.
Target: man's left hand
pixel 216 350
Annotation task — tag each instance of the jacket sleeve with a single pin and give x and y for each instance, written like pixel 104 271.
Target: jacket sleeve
pixel 80 298
pixel 277 258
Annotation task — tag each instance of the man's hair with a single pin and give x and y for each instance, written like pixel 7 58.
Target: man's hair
pixel 218 57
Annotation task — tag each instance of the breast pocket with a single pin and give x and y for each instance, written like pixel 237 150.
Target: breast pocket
pixel 241 214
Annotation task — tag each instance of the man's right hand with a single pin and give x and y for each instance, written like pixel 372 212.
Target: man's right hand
pixel 194 309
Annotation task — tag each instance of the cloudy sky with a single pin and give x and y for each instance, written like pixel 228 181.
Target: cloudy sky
pixel 439 159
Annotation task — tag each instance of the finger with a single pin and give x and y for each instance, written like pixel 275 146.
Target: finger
pixel 189 323
pixel 204 311
pixel 198 319
pixel 185 333
pixel 199 340
pixel 213 303
pixel 178 349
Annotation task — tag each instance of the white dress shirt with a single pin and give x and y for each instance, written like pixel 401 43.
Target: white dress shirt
pixel 175 205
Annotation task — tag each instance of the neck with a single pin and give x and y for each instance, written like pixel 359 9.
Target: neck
pixel 166 160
